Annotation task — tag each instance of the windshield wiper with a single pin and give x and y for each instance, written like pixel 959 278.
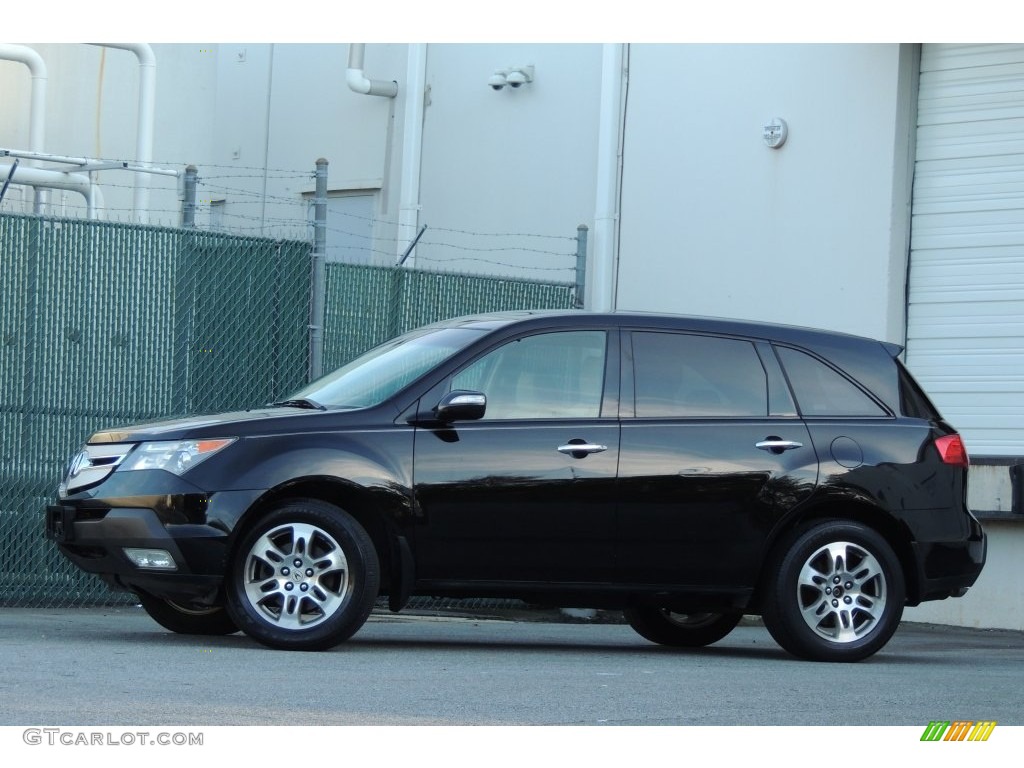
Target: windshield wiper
pixel 302 402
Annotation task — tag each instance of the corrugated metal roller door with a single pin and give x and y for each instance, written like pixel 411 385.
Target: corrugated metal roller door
pixel 966 318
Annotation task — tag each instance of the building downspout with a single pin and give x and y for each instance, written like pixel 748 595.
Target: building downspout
pixel 146 122
pixel 37 111
pixel 609 178
pixel 412 150
pixel 412 133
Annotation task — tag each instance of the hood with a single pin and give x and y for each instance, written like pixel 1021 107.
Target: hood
pixel 233 424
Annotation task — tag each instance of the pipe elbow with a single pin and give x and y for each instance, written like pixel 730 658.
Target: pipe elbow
pixel 27 56
pixel 143 51
pixel 358 82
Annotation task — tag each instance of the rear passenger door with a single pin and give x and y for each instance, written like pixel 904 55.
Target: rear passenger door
pixel 712 453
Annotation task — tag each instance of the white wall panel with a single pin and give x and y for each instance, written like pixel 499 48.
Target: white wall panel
pixel 966 293
pixel 715 222
pixel 508 175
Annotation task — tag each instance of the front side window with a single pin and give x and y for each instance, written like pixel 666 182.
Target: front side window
pixel 682 375
pixel 547 376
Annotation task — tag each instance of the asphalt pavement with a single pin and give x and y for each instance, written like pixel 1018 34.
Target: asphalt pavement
pixel 115 666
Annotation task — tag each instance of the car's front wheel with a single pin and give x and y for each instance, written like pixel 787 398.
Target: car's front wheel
pixel 835 592
pixel 187 619
pixel 303 577
pixel 684 630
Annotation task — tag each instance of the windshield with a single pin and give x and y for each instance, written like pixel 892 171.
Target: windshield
pixel 376 375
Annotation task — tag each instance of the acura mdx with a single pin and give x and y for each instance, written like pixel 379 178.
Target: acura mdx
pixel 687 471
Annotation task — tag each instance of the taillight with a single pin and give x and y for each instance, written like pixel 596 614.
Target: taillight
pixel 953 451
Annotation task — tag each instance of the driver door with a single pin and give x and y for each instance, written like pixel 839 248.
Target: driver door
pixel 526 493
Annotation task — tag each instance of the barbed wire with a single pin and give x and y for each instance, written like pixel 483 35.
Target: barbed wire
pixel 420 258
pixel 307 201
pixel 239 216
pixel 494 250
pixel 304 201
pixel 289 229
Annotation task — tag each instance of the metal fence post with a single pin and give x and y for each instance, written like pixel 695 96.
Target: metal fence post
pixel 581 265
pixel 30 389
pixel 184 310
pixel 318 287
pixel 188 206
pixel 397 290
pixel 400 288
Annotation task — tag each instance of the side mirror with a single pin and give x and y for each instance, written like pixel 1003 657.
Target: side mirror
pixel 461 405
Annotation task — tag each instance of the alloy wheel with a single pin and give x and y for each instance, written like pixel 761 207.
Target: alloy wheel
pixel 842 591
pixel 297 576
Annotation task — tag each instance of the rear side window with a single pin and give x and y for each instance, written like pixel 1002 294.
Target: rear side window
pixel 683 375
pixel 822 391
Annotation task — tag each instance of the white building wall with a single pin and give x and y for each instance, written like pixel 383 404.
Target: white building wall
pixel 715 222
pixel 92 105
pixel 510 161
pixel 253 118
pixel 280 108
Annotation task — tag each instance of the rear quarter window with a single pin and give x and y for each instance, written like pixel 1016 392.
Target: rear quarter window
pixel 913 401
pixel 820 390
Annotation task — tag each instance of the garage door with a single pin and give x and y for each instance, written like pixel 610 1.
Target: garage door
pixel 966 291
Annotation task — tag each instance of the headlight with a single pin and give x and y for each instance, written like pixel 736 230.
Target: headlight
pixel 177 456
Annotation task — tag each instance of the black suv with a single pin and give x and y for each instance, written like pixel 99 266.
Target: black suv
pixel 685 470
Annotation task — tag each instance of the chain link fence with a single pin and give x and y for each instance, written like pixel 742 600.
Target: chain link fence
pixel 104 324
pixel 368 305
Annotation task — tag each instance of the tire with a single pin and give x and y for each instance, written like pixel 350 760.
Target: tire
pixel 186 619
pixel 835 592
pixel 683 630
pixel 304 577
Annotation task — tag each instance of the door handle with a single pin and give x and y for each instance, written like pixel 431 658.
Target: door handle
pixel 777 445
pixel 581 448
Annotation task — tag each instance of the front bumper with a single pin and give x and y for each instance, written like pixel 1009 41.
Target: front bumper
pixel 96 545
pixel 93 535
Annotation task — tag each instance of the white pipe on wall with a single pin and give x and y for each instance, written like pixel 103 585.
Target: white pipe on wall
pixel 37 110
pixel 359 83
pixel 609 166
pixel 412 149
pixel 76 182
pixel 146 121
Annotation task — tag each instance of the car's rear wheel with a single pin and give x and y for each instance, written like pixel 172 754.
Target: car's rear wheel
pixel 187 618
pixel 684 630
pixel 303 577
pixel 835 592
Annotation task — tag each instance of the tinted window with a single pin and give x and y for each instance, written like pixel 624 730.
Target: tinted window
pixel 913 401
pixel 823 391
pixel 548 376
pixel 380 373
pixel 695 376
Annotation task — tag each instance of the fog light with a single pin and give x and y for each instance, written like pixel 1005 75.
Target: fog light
pixel 157 559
